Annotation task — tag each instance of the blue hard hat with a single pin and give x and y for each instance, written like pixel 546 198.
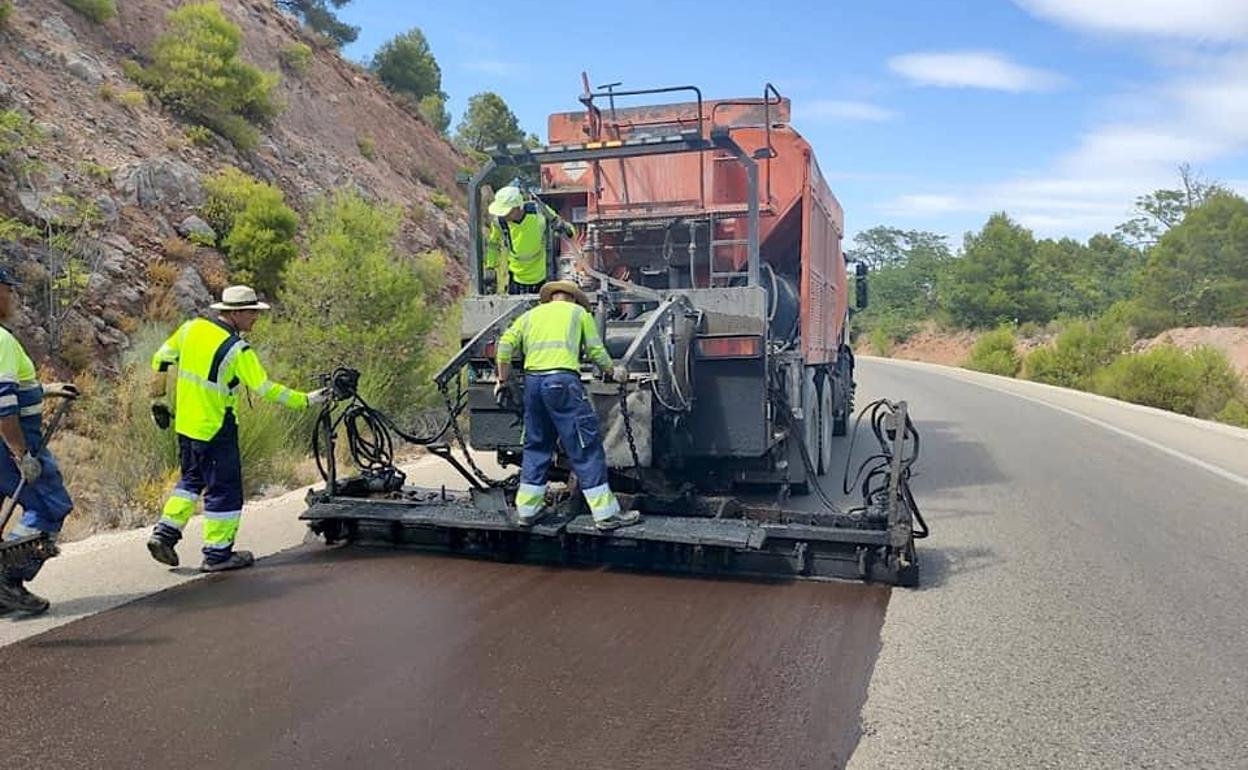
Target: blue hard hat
pixel 7 278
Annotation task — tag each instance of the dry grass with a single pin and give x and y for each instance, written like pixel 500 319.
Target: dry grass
pixel 177 250
pixel 161 273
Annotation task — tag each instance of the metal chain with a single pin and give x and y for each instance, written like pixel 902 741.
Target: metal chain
pixel 628 426
pixel 463 444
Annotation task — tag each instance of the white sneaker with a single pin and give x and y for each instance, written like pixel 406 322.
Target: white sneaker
pixel 625 519
pixel 528 521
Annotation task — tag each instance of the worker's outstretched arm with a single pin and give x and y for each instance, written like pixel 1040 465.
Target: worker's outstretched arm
pixel 562 226
pixel 250 371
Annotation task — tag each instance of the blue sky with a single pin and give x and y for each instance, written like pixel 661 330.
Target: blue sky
pixel 925 113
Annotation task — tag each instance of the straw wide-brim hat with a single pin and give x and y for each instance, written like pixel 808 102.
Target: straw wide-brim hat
pixel 505 200
pixel 239 298
pixel 567 287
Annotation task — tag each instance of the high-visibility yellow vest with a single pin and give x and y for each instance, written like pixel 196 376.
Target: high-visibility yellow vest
pixel 20 391
pixel 212 362
pixel 551 336
pixel 524 244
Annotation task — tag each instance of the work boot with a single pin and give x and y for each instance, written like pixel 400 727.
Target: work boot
pixel 237 560
pixel 615 521
pixel 162 550
pixel 528 521
pixel 15 598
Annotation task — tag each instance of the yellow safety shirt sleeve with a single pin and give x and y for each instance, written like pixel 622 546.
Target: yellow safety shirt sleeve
pixel 167 354
pixel 10 365
pixel 250 372
pixel 594 349
pixel 512 341
pixel 493 245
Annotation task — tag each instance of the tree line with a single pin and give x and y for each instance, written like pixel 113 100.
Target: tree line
pixel 1181 260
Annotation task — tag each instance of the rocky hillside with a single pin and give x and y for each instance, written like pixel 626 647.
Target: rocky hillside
pixel 103 145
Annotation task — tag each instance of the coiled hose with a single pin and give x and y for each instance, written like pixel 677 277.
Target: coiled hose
pixel 370 433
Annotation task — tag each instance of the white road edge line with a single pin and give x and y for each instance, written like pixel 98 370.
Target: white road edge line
pixel 1199 463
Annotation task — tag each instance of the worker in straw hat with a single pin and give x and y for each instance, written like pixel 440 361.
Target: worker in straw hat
pixel 518 230
pixel 550 337
pixel 212 360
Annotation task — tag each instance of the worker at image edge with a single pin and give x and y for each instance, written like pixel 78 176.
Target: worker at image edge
pixel 27 464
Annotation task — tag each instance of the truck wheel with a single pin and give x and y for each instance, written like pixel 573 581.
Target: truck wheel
pixel 827 426
pixel 842 403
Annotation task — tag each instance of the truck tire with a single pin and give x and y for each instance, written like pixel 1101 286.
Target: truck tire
pixel 827 425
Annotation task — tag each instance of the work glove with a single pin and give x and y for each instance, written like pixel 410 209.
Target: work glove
pixel 502 395
pixel 61 390
pixel 318 396
pixel 161 414
pixel 618 374
pixel 30 467
pixel 567 230
pixel 489 282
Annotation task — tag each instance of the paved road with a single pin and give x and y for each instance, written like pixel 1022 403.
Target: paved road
pixel 1082 602
pixel 356 659
pixel 1080 608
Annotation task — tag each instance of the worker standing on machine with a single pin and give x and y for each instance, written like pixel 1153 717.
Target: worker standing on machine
pixel 550 337
pixel 212 360
pixel 518 229
pixel 27 469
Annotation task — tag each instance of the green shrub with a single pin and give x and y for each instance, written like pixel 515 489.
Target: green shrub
pixel 296 58
pixel 12 230
pixel 441 200
pixel 96 171
pixel 131 100
pixel 368 148
pixel 881 342
pixel 432 108
pixel 196 72
pixel 354 300
pixel 200 136
pixel 6 11
pixel 98 11
pixel 1234 413
pixel 17 132
pixel 1199 382
pixel 1077 353
pixel 995 352
pixel 406 65
pixel 202 239
pixel 255 227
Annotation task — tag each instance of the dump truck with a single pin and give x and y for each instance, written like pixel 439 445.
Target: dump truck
pixel 710 245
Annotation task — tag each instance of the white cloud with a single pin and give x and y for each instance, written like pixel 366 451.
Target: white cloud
pixel 972 69
pixel 1197 115
pixel 1185 19
pixel 834 110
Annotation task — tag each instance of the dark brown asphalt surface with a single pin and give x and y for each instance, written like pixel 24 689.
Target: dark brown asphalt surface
pixel 320 658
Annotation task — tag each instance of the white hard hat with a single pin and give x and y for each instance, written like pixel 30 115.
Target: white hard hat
pixel 505 200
